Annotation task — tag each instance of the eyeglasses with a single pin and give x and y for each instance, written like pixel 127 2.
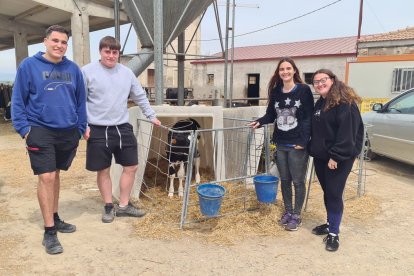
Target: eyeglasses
pixel 322 81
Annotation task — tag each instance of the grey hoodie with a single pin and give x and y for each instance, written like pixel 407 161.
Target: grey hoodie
pixel 107 91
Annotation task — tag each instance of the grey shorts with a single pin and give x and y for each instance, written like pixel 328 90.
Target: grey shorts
pixel 50 150
pixel 105 141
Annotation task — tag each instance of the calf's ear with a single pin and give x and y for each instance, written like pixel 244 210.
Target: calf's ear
pixel 195 122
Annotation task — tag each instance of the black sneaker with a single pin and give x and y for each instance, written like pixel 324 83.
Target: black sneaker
pixel 51 243
pixel 332 242
pixel 108 214
pixel 64 227
pixel 321 230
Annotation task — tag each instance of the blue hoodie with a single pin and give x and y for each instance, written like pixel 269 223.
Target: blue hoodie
pixel 48 94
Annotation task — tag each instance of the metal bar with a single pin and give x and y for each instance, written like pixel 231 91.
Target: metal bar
pixel 361 184
pixel 198 26
pixel 116 18
pixel 188 178
pixel 142 19
pixel 175 53
pixel 158 51
pixel 232 53
pixel 226 53
pixel 216 13
pixel 180 72
pixel 126 39
pixel 170 39
pixel 309 183
pixel 266 140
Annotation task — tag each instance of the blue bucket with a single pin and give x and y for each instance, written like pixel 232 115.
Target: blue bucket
pixel 266 188
pixel 210 197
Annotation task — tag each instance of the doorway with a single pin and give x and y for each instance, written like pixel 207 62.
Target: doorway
pixel 253 88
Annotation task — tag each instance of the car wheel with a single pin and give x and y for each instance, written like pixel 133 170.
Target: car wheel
pixel 368 153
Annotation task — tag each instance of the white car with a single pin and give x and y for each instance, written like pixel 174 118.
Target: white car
pixel 390 128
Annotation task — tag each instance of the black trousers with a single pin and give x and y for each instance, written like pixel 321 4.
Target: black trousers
pixel 333 185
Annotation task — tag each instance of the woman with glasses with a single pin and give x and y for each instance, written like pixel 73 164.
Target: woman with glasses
pixel 337 135
pixel 290 106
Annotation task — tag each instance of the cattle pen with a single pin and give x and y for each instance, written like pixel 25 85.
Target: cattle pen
pixel 230 156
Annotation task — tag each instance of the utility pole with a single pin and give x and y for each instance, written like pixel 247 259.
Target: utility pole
pixel 361 7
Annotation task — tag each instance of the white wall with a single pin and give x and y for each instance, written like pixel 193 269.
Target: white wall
pixel 374 79
pixel 264 68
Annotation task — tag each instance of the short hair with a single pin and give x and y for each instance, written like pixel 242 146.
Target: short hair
pixel 109 42
pixel 56 28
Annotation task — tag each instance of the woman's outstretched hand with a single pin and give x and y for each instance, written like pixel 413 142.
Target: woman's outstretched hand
pixel 254 124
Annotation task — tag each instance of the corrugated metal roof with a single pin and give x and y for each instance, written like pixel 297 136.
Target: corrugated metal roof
pixel 403 34
pixel 323 47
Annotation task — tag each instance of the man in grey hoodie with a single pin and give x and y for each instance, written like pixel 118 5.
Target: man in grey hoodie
pixel 109 84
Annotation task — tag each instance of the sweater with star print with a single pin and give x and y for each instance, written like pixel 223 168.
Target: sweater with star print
pixel 291 113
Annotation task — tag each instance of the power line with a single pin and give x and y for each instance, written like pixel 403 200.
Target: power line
pixel 376 17
pixel 280 23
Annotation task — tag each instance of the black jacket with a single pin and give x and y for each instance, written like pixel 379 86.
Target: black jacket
pixel 336 133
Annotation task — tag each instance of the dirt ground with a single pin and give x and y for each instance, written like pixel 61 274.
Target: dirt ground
pixel 377 237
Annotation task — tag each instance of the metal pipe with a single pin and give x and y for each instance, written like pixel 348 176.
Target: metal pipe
pixel 158 51
pixel 140 62
pixel 116 17
pixel 169 40
pixel 180 59
pixel 232 53
pixel 226 50
pixel 198 26
pixel 131 6
pixel 218 25
pixel 126 39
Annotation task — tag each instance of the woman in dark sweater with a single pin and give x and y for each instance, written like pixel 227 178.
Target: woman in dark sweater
pixel 291 104
pixel 337 135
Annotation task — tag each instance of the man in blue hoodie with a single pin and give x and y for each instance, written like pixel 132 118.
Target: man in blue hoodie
pixel 49 112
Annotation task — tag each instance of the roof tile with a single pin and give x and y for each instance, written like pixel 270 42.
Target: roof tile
pixel 403 34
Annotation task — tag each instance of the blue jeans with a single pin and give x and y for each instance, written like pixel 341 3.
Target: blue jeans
pixel 292 165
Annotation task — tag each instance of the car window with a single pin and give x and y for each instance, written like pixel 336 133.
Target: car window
pixel 403 105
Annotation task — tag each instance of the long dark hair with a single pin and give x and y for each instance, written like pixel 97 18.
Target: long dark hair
pixel 276 80
pixel 339 92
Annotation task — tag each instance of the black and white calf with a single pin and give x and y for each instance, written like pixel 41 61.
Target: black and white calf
pixel 178 147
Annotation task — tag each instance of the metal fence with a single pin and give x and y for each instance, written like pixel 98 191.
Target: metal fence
pixel 230 156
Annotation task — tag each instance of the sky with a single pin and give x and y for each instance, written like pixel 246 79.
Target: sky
pixel 282 21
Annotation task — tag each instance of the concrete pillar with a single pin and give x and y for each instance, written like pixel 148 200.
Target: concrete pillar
pixel 80 36
pixel 20 45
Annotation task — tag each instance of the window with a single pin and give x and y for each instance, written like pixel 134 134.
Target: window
pixel 402 79
pixel 210 79
pixel 252 79
pixel 403 105
pixel 308 78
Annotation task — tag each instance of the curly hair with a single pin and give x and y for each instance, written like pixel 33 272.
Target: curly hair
pixel 276 80
pixel 339 91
